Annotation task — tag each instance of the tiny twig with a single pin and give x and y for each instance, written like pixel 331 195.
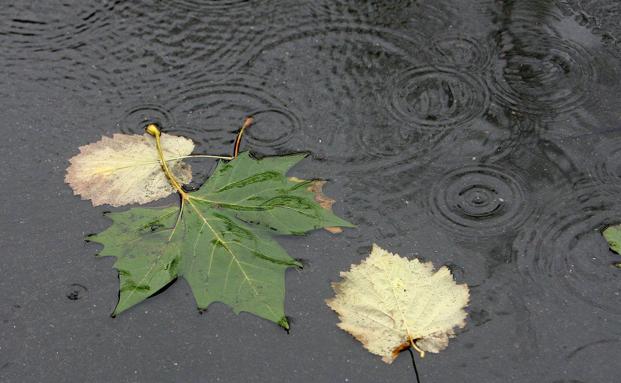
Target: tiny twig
pixel 414 364
pixel 247 122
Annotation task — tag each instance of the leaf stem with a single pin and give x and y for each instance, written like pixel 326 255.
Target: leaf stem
pixel 200 156
pixel 420 352
pixel 153 130
pixel 414 364
pixel 247 122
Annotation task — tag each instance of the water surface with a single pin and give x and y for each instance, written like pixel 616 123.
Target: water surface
pixel 482 134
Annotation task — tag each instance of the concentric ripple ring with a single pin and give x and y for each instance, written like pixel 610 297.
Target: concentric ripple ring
pixel 479 199
pixel 437 97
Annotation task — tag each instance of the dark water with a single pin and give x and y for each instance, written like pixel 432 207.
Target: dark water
pixel 484 135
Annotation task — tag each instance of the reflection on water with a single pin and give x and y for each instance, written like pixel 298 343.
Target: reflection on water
pixel 481 134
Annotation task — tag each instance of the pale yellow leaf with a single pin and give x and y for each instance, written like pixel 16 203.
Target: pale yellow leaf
pixel 390 303
pixel 125 169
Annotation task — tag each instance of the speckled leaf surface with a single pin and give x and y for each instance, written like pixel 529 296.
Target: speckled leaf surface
pixel 220 241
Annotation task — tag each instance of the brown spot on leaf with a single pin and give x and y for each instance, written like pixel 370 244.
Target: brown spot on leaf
pixel 316 187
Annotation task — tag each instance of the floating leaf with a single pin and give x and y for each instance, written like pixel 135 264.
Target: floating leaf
pixel 220 241
pixel 613 236
pixel 390 303
pixel 125 169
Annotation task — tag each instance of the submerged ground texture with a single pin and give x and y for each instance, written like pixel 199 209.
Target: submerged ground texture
pixel 484 135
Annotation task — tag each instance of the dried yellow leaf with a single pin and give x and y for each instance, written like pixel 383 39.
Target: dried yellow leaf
pixel 390 303
pixel 125 169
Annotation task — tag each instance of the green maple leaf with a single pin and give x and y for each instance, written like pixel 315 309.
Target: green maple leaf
pixel 613 237
pixel 221 238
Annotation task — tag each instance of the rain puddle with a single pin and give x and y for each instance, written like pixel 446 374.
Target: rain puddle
pixel 483 135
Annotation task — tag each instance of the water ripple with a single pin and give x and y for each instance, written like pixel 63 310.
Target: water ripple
pixel 494 136
pixel 135 119
pixel 52 26
pixel 123 50
pixel 601 17
pixel 552 76
pixel 565 248
pixel 212 5
pixel 410 45
pixel 437 97
pixel 394 12
pixel 211 109
pixel 465 52
pixel 340 124
pixel 479 200
pixel 608 168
